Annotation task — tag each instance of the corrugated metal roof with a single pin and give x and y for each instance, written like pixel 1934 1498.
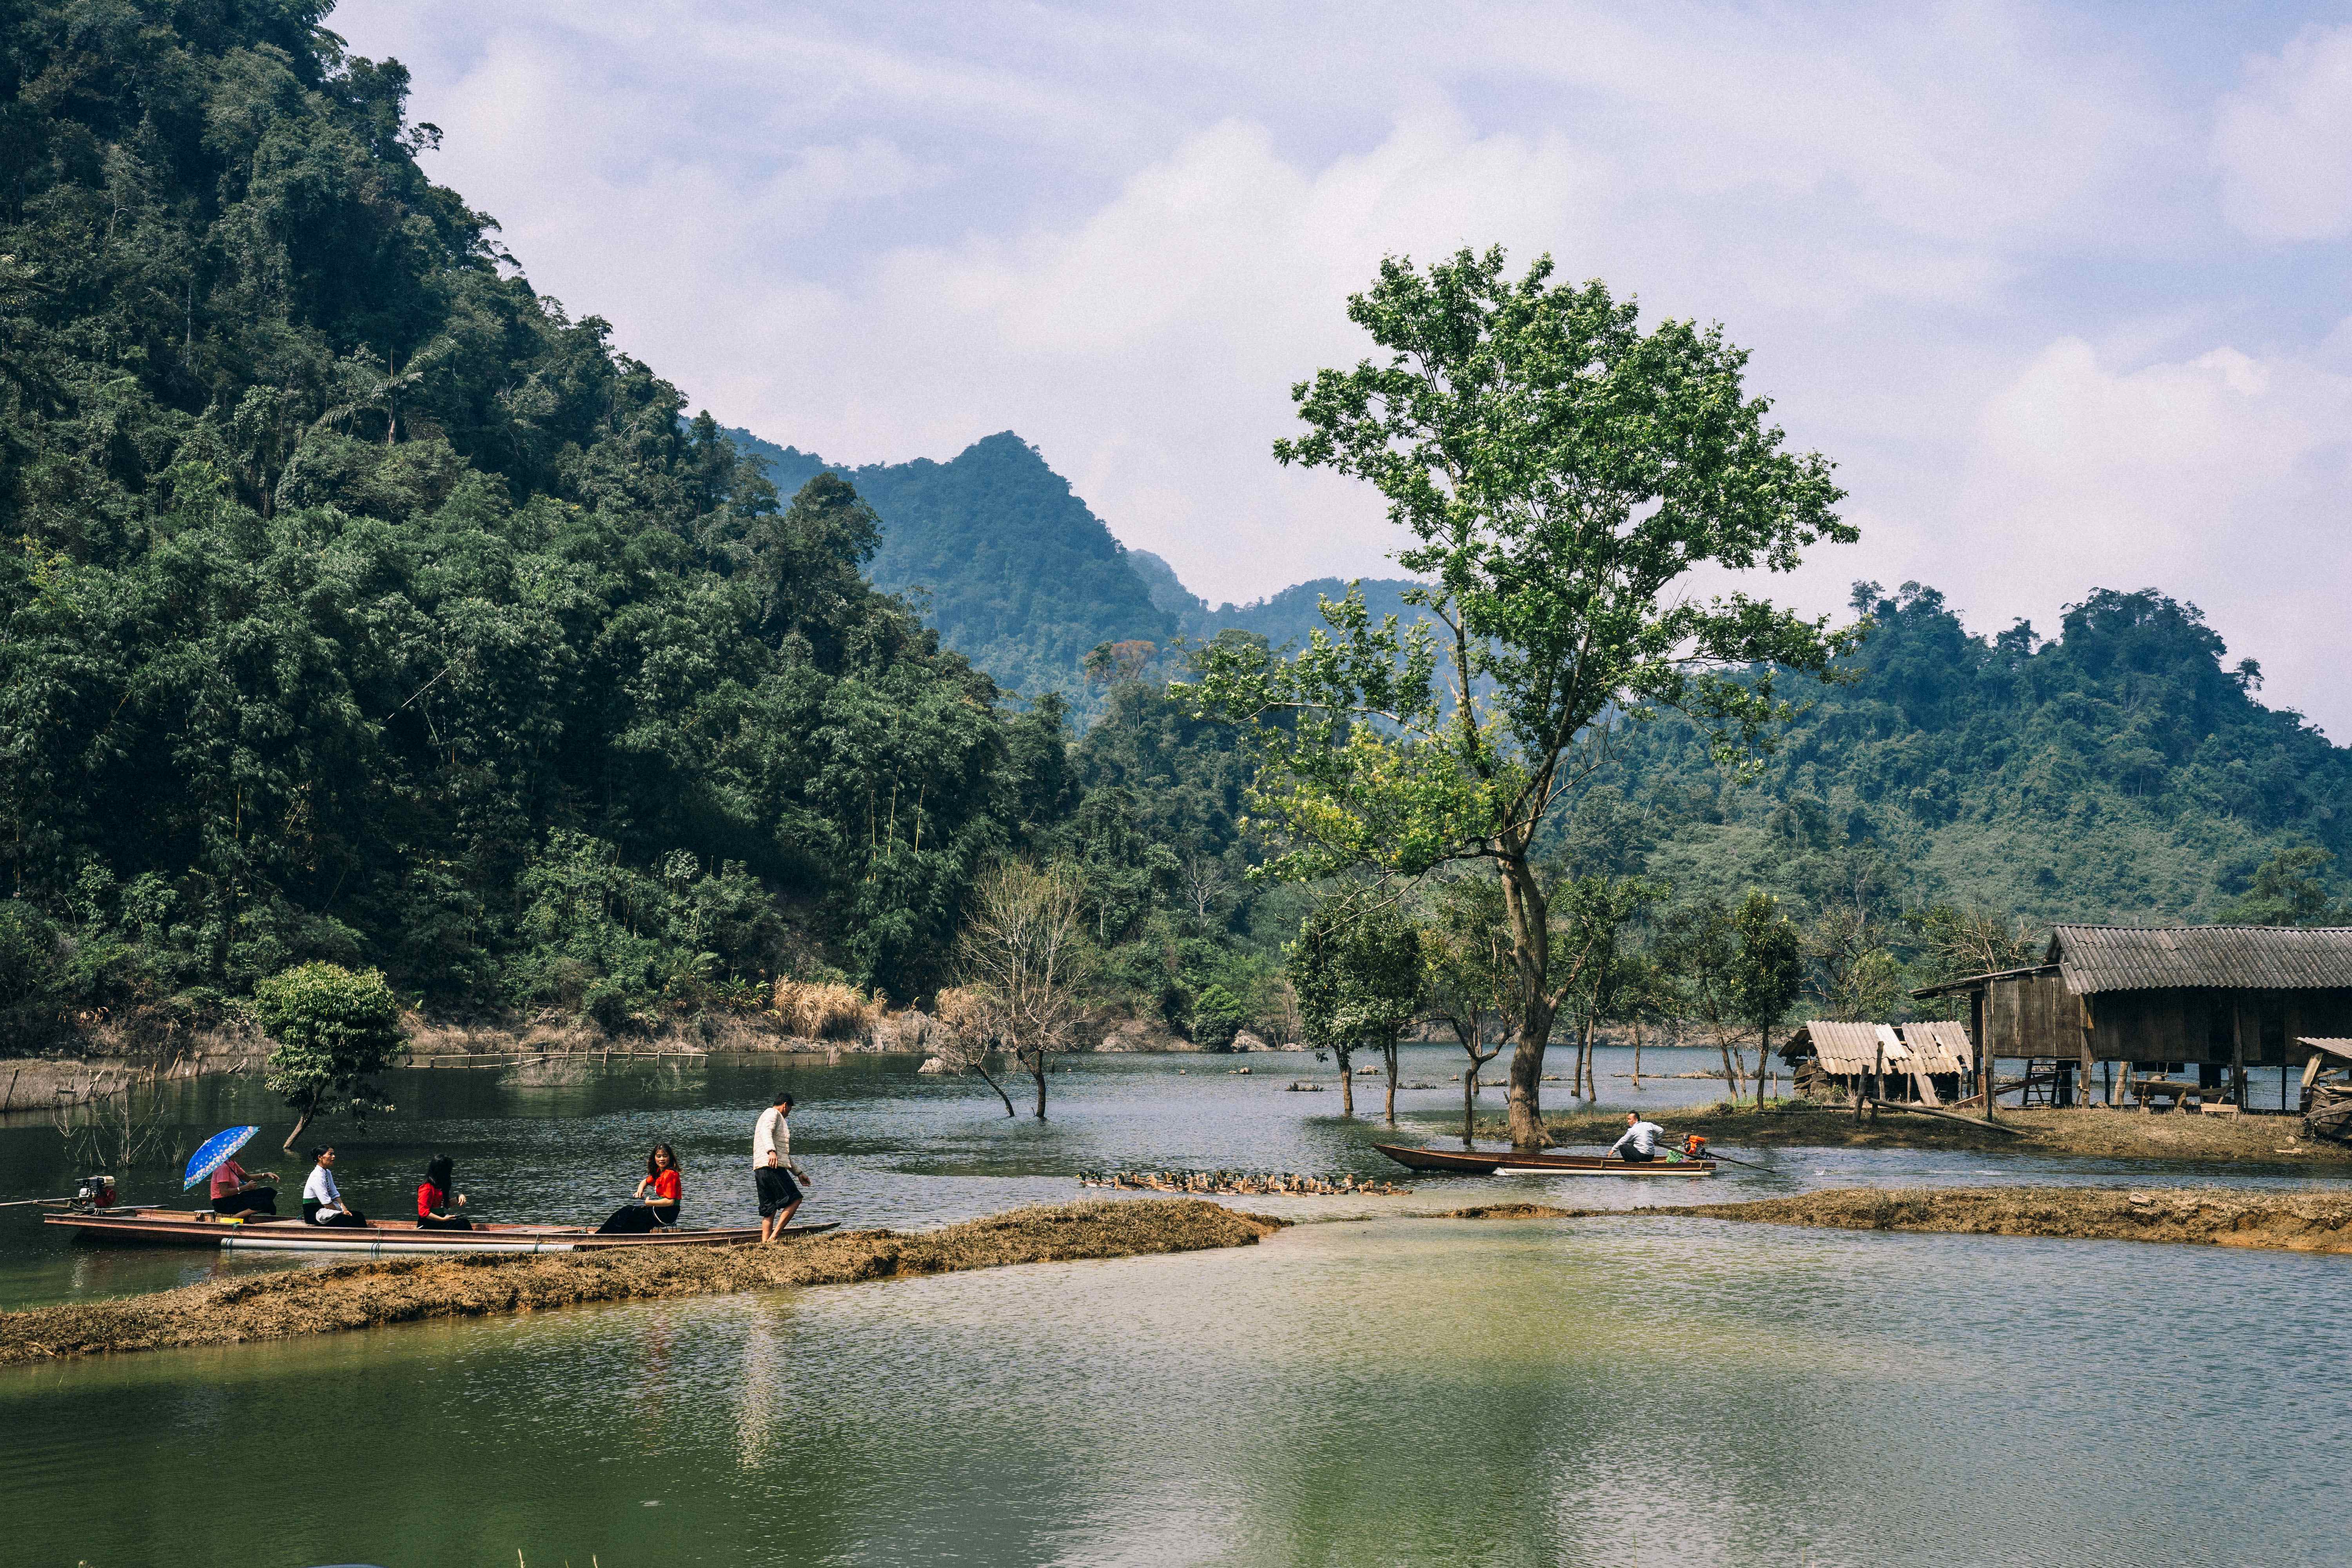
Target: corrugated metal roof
pixel 2125 958
pixel 1848 1049
pixel 1939 1044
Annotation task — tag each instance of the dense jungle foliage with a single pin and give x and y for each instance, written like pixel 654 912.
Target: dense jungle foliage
pixel 361 604
pixel 2122 771
pixel 358 603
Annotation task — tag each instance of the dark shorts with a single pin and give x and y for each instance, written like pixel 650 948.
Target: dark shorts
pixel 1635 1157
pixel 260 1200
pixel 345 1219
pixel 777 1191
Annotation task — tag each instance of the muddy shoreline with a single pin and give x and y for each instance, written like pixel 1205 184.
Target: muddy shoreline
pixel 299 1302
pixel 2096 1133
pixel 2207 1217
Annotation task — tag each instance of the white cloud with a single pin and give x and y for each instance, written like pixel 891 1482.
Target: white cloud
pixel 2283 143
pixel 1974 248
pixel 2219 478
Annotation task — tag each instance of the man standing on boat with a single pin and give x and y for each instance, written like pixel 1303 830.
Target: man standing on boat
pixel 773 1169
pixel 1639 1146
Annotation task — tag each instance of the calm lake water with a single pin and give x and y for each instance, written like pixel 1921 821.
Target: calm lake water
pixel 1638 1390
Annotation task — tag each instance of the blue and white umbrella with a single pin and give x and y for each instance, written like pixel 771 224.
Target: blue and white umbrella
pixel 214 1154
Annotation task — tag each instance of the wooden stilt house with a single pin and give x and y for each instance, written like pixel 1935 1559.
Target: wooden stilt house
pixel 2179 1012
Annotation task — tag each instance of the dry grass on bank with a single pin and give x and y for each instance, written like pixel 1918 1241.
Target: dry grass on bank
pixel 370 1295
pixel 2216 1217
pixel 821 1011
pixel 2211 1216
pixel 2096 1133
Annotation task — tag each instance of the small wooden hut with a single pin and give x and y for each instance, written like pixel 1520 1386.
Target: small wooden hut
pixel 1924 1062
pixel 2214 999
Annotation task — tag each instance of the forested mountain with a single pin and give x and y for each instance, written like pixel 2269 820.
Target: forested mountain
pixel 1020 577
pixel 2122 770
pixel 361 603
pixel 1286 616
pixel 1012 568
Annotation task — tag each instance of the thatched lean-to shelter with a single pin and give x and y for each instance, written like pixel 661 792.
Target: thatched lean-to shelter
pixel 2214 999
pixel 1924 1061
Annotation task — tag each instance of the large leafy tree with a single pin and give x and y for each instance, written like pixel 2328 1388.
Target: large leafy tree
pixel 1559 472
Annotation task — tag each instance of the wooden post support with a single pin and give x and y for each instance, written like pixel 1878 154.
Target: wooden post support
pixel 1978 1021
pixel 2237 1054
pixel 2083 1078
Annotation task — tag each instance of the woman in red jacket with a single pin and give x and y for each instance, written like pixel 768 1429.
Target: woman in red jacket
pixel 660 1192
pixel 437 1206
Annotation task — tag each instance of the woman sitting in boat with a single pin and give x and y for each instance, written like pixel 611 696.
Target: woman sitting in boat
pixel 322 1200
pixel 437 1206
pixel 1639 1146
pixel 657 1194
pixel 237 1192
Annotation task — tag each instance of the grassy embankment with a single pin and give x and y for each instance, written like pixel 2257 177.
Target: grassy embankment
pixel 2212 1217
pixel 2094 1134
pixel 371 1294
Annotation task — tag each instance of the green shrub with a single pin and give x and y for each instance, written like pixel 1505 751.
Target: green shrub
pixel 335 1030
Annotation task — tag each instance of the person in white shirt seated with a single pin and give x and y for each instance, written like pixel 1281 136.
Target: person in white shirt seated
pixel 1639 1146
pixel 322 1200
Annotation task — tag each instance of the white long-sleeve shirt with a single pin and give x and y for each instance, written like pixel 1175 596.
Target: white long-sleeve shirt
pixel 321 1189
pixel 772 1135
pixel 1643 1135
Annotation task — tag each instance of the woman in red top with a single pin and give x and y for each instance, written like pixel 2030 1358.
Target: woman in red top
pixel 661 1193
pixel 437 1206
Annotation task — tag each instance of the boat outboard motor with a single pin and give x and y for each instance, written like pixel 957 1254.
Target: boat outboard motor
pixel 1694 1147
pixel 94 1192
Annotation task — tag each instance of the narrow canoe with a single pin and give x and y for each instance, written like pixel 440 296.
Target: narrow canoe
pixel 1487 1162
pixel 378 1239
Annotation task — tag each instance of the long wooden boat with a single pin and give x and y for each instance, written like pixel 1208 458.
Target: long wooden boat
pixel 142 1225
pixel 1488 1163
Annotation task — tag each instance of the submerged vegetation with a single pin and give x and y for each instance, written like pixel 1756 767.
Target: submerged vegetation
pixel 372 1294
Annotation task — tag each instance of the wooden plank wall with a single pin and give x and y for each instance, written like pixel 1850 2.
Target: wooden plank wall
pixel 2034 1015
pixel 2190 1026
pixel 2037 1015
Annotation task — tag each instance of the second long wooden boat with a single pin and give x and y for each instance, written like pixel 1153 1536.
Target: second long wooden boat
pixel 146 1226
pixel 1503 1162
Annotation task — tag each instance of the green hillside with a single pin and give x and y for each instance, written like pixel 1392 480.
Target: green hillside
pixel 1286 616
pixel 2122 771
pixel 1010 565
pixel 361 603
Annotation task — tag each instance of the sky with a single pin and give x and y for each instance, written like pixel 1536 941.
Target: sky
pixel 2060 289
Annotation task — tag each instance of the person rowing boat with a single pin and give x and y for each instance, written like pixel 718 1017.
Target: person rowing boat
pixel 1639 1145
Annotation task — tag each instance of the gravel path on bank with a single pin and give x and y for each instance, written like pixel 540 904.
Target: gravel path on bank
pixel 371 1294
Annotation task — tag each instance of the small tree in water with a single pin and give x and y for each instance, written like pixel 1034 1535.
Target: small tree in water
pixel 1357 970
pixel 971 1030
pixel 1022 951
pixel 1467 952
pixel 335 1030
pixel 1767 974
